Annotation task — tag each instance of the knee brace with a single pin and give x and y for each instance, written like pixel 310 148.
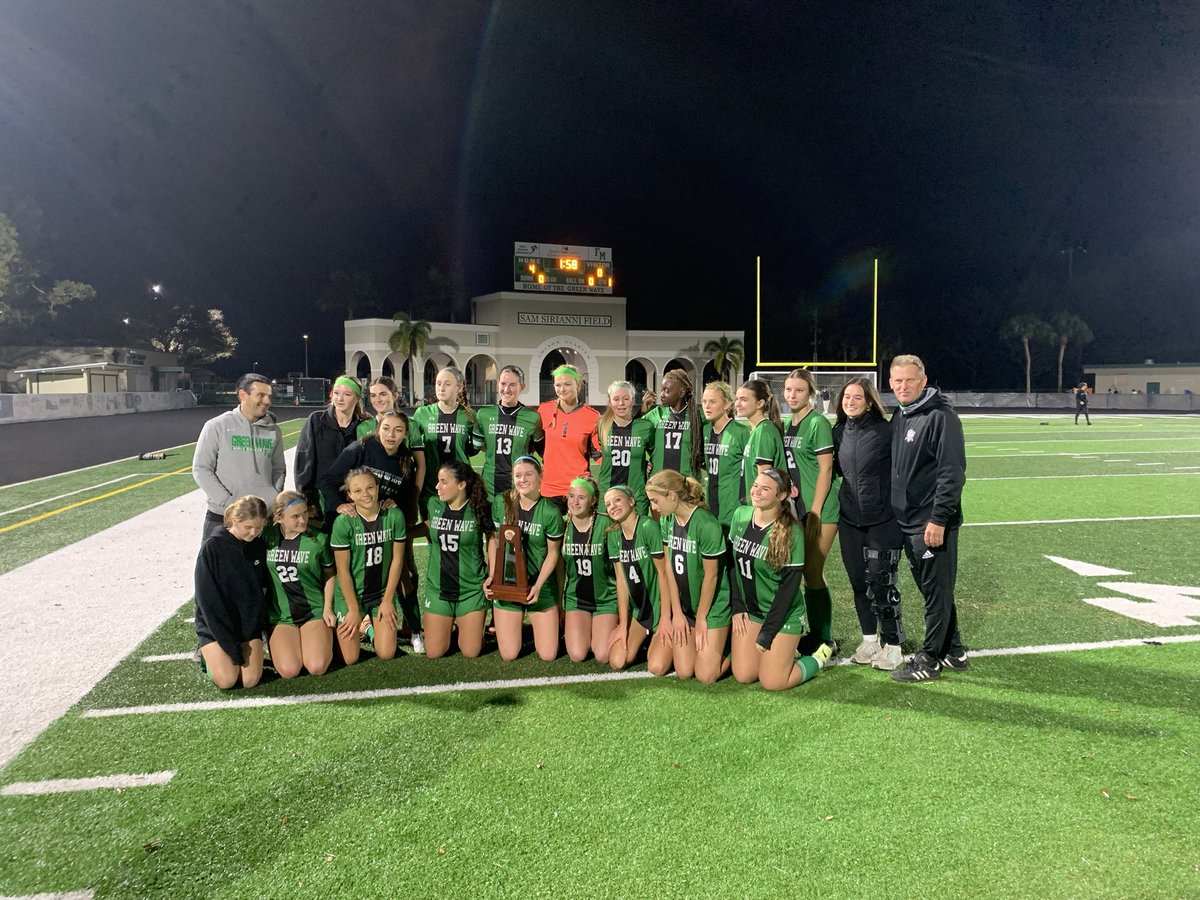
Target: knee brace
pixel 881 583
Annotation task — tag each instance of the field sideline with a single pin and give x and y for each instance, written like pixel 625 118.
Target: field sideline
pixel 1077 721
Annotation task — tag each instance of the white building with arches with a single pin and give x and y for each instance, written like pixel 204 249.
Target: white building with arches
pixel 536 332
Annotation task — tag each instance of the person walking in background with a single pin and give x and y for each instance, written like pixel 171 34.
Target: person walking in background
pixel 1081 402
pixel 240 452
pixel 929 469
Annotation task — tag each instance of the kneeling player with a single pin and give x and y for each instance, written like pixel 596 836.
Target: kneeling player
pixel 231 587
pixel 635 546
pixel 368 551
pixel 768 606
pixel 460 521
pixel 301 618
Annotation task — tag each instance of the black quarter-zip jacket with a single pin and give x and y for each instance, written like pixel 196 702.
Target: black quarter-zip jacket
pixel 929 463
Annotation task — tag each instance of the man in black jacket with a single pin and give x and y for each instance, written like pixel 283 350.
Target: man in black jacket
pixel 929 469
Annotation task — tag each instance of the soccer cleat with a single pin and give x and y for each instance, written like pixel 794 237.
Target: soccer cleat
pixel 956 662
pixel 889 658
pixel 865 653
pixel 822 655
pixel 922 667
pixel 418 643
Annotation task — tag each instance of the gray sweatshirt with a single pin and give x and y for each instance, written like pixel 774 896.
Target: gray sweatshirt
pixel 235 457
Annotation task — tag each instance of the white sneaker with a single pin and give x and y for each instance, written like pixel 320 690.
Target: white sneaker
pixel 889 658
pixel 418 643
pixel 866 652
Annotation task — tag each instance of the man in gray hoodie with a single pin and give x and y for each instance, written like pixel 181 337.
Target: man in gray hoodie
pixel 240 452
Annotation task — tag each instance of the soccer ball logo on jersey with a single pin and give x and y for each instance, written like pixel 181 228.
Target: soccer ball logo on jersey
pixel 910 436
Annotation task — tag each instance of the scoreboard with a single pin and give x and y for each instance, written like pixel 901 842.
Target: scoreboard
pixel 560 269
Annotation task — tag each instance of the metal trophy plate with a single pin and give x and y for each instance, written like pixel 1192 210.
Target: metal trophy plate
pixel 511 581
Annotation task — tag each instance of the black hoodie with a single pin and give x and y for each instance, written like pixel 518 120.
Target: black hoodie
pixel 231 587
pixel 862 455
pixel 929 463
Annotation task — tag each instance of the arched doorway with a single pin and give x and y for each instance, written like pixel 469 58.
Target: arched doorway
pixel 434 364
pixel 555 352
pixel 710 372
pixel 362 368
pixel 642 374
pixel 679 362
pixel 481 374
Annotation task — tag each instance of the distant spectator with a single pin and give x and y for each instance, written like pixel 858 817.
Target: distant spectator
pixel 1081 403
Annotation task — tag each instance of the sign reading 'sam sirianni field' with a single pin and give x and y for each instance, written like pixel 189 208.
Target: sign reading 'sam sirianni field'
pixel 560 269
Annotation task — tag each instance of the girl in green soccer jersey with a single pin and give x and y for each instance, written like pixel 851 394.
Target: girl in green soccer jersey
pixel 768 607
pixel 698 583
pixel 635 546
pixel 724 443
pixel 541 536
pixel 300 609
pixel 623 443
pixel 678 428
pixel 764 445
pixel 444 428
pixel 231 586
pixel 460 522
pixel 506 432
pixel 368 552
pixel 590 596
pixel 808 440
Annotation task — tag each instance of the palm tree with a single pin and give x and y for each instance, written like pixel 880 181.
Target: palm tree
pixel 409 337
pixel 1027 328
pixel 1068 328
pixel 727 354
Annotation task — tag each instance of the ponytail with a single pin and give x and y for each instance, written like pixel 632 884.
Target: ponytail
pixel 779 541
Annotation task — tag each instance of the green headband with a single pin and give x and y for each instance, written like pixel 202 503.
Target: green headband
pixel 346 381
pixel 586 485
pixel 624 489
pixel 566 370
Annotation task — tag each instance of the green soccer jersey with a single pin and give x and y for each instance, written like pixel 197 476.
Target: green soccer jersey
pixel 457 555
pixel 723 467
pixel 633 559
pixel 672 446
pixel 590 586
pixel 298 568
pixel 757 583
pixel 688 546
pixel 540 524
pixel 371 545
pixel 444 437
pixel 623 457
pixel 804 441
pixel 764 446
pixel 505 434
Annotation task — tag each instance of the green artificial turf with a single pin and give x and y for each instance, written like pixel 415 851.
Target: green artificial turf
pixel 1048 775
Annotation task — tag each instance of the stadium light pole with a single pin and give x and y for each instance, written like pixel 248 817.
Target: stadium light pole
pixel 306 356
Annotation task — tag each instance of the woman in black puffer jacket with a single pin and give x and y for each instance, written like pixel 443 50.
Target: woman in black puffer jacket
pixel 869 536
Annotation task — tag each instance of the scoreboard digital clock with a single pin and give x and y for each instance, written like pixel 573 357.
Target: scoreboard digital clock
pixel 560 269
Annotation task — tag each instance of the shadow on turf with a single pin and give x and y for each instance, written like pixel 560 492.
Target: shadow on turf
pixel 1030 675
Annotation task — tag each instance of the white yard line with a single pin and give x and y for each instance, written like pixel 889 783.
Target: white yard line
pixel 138 574
pixel 9 512
pixel 978 456
pixel 69 895
pixel 168 657
pixel 1105 475
pixel 97 783
pixel 547 681
pixel 1075 521
pixel 119 459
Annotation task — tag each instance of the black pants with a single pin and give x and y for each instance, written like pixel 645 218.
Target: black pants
pixel 1084 410
pixel 935 570
pixel 213 523
pixel 853 540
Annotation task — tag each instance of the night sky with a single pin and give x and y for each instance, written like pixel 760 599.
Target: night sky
pixel 241 152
